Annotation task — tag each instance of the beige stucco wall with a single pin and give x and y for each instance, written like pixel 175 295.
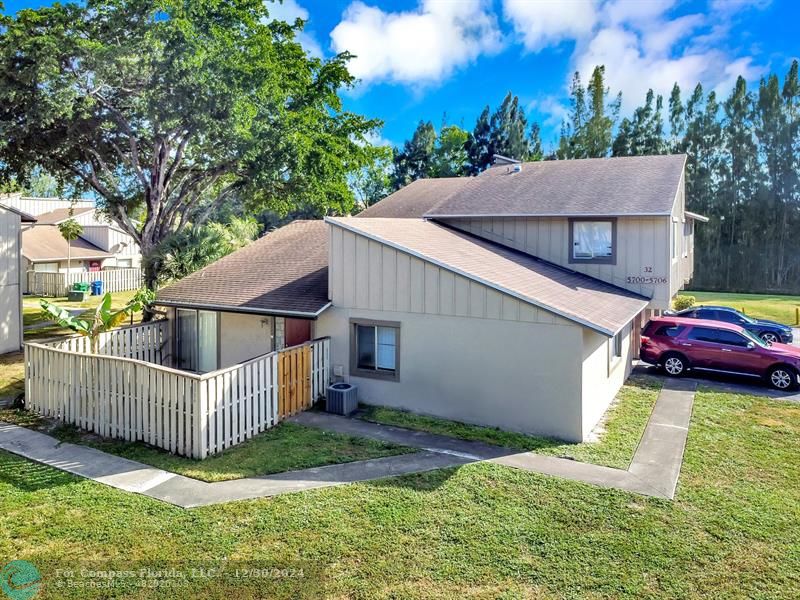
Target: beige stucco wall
pixel 10 292
pixel 514 375
pixel 601 378
pixel 242 337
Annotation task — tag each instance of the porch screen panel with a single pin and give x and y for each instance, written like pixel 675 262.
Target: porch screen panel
pixel 187 339
pixel 207 335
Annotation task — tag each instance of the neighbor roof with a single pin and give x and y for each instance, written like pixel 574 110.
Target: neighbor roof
pixel 42 243
pixel 24 217
pixel 585 300
pixel 416 199
pixel 631 185
pixel 59 215
pixel 284 272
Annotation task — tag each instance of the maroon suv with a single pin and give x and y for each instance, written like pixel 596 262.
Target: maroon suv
pixel 678 344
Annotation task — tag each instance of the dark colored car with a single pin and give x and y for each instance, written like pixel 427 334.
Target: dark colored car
pixel 769 331
pixel 678 344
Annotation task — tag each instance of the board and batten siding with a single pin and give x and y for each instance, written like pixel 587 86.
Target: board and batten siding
pixel 10 293
pixel 642 243
pixel 365 274
pixel 467 352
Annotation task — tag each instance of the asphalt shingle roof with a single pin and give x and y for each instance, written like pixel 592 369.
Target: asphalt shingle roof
pixel 588 301
pixel 42 243
pixel 416 199
pixel 59 215
pixel 286 271
pixel 630 185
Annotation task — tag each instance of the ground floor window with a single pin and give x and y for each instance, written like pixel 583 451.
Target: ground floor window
pixel 46 267
pixel 615 349
pixel 124 263
pixel 196 333
pixel 374 349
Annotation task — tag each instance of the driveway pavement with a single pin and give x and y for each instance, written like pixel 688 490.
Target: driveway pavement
pixel 724 383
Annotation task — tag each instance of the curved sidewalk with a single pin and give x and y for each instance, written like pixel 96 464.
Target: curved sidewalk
pixel 654 469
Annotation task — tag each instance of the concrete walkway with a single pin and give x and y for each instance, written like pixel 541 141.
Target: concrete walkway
pixel 654 469
pixel 132 476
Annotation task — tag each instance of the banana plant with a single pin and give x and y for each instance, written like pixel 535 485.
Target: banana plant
pixel 105 319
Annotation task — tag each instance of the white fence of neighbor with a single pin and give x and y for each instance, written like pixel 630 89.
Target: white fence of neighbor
pixel 186 413
pixel 58 284
pixel 146 342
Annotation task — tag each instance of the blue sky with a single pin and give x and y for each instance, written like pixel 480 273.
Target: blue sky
pixel 424 59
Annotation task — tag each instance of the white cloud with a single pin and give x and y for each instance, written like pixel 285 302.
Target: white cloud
pixel 643 47
pixel 547 22
pixel 290 11
pixel 416 47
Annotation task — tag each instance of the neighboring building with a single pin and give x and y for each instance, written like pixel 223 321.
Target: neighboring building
pixel 102 245
pixel 10 277
pixel 513 299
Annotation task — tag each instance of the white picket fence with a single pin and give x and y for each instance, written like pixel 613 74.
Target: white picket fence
pixel 58 284
pixel 185 413
pixel 146 342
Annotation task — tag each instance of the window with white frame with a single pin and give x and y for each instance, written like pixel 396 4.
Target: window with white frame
pixel 592 240
pixel 374 349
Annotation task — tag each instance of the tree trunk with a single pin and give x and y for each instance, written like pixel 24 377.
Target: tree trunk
pixel 150 281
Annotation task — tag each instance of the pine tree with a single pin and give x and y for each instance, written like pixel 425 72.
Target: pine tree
pixel 677 119
pixel 478 145
pixel 414 161
pixel 535 143
pixel 740 182
pixel 588 132
pixel 508 125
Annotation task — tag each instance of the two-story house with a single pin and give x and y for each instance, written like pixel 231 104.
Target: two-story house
pixel 512 299
pixel 101 245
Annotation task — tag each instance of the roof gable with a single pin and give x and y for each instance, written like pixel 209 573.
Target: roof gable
pixel 578 298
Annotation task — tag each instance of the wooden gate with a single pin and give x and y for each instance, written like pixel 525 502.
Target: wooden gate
pixel 294 376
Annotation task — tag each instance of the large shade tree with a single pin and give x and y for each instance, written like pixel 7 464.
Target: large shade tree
pixel 166 109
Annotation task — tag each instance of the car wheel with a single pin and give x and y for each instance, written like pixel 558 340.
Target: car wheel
pixel 674 365
pixel 770 337
pixel 782 378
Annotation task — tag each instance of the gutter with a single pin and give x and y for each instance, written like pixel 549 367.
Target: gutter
pixel 244 310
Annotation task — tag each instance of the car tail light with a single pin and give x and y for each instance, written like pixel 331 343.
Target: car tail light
pixel 645 340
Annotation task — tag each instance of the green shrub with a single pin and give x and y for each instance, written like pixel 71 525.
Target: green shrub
pixel 683 302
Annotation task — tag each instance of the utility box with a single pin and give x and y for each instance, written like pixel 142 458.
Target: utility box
pixel 342 399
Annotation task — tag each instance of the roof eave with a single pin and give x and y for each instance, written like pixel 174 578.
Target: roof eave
pixel 696 217
pixel 244 309
pixel 570 317
pixel 536 215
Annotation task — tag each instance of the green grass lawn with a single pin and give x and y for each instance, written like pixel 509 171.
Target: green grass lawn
pixel 479 531
pixel 625 423
pixel 12 376
pixel 287 447
pixel 761 306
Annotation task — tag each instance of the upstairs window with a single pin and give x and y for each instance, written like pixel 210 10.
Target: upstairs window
pixel 593 241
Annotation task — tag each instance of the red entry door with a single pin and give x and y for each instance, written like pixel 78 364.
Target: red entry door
pixel 298 331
